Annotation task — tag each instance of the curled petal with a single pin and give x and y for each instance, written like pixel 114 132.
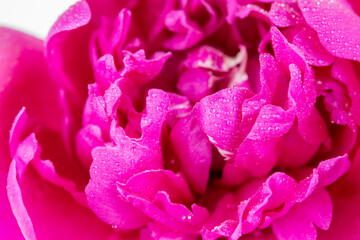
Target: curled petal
pixel 193 149
pixel 187 33
pixel 337 25
pixel 284 14
pixel 127 157
pixel 175 216
pixel 308 42
pixel 277 197
pixel 220 116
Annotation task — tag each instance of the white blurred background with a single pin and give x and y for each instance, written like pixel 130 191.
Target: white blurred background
pixel 34 17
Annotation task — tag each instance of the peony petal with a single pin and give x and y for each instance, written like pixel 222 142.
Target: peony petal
pixel 157 180
pixel 195 84
pixel 179 107
pixel 308 42
pixel 220 116
pixel 345 197
pixel 284 15
pixel 275 199
pixel 186 32
pixel 193 149
pixel 17 205
pixel 223 220
pixel 159 231
pixel 140 70
pixel 272 122
pixel 337 26
pixel 344 72
pixel 23 82
pixel 69 28
pixel 299 222
pixel 285 52
pixel 118 163
pixel 105 71
pixel 31 209
pixel 173 215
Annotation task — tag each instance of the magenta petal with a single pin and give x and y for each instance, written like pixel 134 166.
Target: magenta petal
pixel 148 183
pixel 111 34
pixel 140 70
pixel 157 107
pixel 16 202
pixel 32 195
pixel 194 83
pixel 159 231
pixel 223 220
pixel 105 71
pixel 276 198
pixel 272 122
pixel 285 52
pixel 41 199
pixel 175 216
pixel 344 71
pixel 179 107
pixel 308 42
pixel 284 15
pixel 70 34
pixel 118 162
pixel 337 25
pixel 76 16
pixel 299 222
pixel 112 99
pixel 186 32
pixel 193 149
pixel 94 109
pixel 220 116
pixel 252 212
pixel 23 82
pixel 86 139
pixel 260 146
pixel 109 207
pixel 345 195
pixel 302 91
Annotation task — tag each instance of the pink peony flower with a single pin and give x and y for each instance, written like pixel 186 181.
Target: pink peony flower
pixel 183 119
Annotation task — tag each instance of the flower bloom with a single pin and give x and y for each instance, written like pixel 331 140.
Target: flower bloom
pixel 192 119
